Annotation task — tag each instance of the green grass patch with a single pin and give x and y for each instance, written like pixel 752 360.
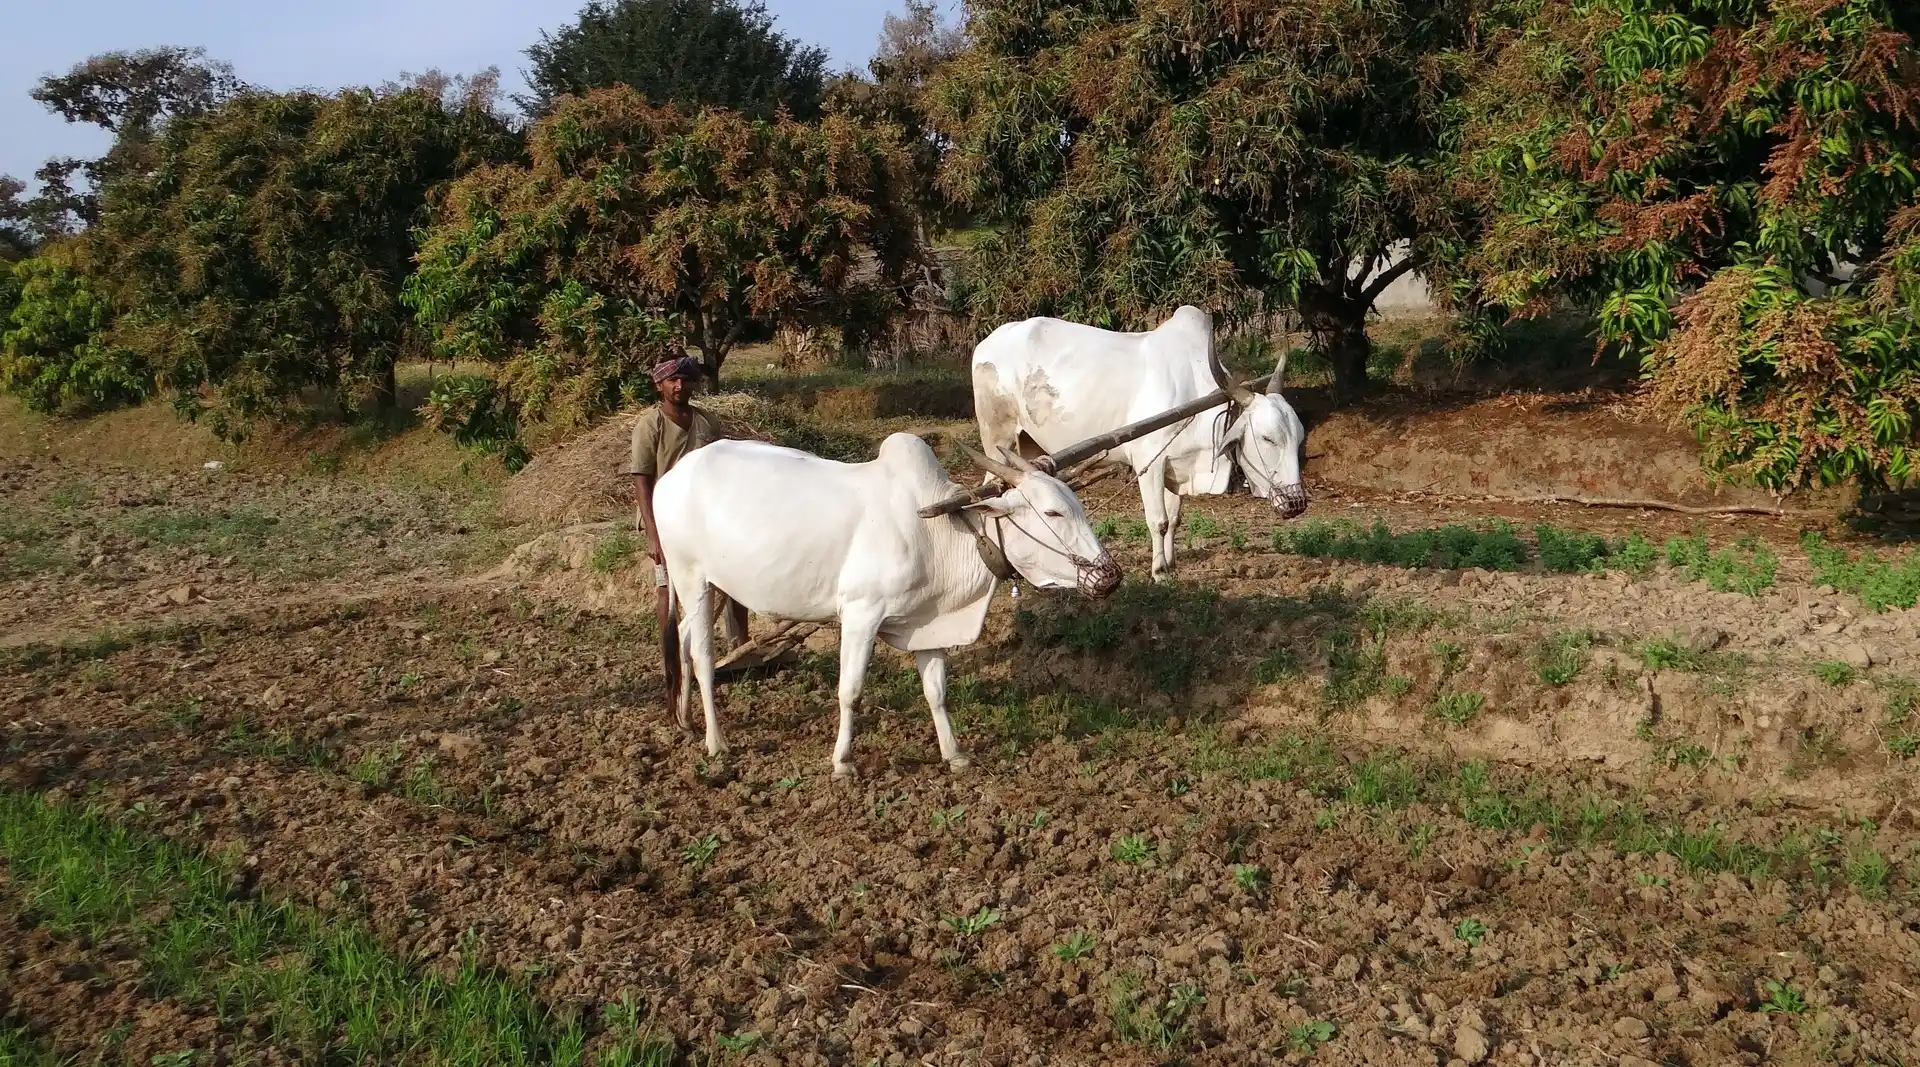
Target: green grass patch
pixel 1113 528
pixel 28 548
pixel 1203 527
pixel 1881 583
pixel 1560 658
pixel 1459 709
pixel 320 989
pixel 1835 673
pixel 95 646
pixel 1391 781
pixel 1571 551
pixel 1897 718
pixel 614 553
pixel 19 1049
pixel 1668 654
pixel 1747 566
pixel 218 533
pixel 1452 546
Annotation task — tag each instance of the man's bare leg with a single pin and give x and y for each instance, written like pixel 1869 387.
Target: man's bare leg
pixel 669 650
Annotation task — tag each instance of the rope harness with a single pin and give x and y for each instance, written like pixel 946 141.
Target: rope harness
pixel 1291 499
pixel 1094 577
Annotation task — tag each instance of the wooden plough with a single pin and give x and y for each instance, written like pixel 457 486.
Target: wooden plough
pixel 765 649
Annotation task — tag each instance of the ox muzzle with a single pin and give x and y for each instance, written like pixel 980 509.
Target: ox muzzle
pixel 1290 500
pixel 1096 577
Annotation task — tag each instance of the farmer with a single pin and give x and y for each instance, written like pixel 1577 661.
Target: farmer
pixel 661 435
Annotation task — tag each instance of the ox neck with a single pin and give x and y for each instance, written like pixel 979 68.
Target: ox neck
pixel 993 548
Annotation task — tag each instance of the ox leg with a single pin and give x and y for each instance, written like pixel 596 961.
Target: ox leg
pixel 1172 507
pixel 1153 505
pixel 696 637
pixel 933 684
pixel 857 632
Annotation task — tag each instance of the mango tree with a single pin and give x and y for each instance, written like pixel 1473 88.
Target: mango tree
pixel 635 228
pixel 262 253
pixel 1733 186
pixel 1149 154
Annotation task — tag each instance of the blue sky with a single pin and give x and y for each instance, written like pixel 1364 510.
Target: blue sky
pixel 302 44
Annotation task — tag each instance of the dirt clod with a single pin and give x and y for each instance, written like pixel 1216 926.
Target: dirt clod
pixel 1470 1045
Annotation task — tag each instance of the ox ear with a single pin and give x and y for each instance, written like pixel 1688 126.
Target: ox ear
pixel 994 506
pixel 1235 431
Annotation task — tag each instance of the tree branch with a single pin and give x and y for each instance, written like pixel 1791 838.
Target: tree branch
pixel 1387 277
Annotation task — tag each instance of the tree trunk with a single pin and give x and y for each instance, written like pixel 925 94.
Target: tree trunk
pixel 710 361
pixel 1336 323
pixel 389 394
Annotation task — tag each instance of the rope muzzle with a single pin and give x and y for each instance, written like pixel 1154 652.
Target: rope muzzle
pixel 1096 577
pixel 1290 500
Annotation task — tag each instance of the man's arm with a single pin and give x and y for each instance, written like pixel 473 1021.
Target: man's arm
pixel 643 506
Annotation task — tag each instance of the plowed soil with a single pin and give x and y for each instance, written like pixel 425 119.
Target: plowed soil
pixel 1165 852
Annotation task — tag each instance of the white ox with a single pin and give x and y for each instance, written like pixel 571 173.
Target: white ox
pixel 1056 382
pixel 799 537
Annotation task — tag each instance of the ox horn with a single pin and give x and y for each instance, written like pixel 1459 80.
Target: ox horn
pixel 1068 457
pixel 1005 472
pixel 1279 372
pixel 1239 392
pixel 1019 461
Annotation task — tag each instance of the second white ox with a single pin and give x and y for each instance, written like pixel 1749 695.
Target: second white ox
pixel 799 537
pixel 1057 382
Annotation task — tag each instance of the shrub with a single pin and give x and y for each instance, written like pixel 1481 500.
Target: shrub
pixel 53 352
pixel 478 415
pixel 1882 584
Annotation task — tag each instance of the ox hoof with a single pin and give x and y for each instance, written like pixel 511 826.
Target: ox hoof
pixel 959 763
pixel 844 772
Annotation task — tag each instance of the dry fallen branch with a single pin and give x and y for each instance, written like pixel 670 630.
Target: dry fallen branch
pixel 1657 505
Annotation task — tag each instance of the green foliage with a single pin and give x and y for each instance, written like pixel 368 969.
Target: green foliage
pixel 1570 551
pixel 1458 709
pixel 695 53
pixel 131 95
pixel 1706 174
pixel 307 983
pixel 1747 566
pixel 1559 660
pixel 476 412
pixel 54 352
pixel 263 252
pixel 1133 849
pixel 19 235
pixel 1078 946
pixel 1783 999
pixel 913 47
pixel 1157 153
pixel 1636 555
pixel 633 227
pixel 1470 930
pixel 1308 1036
pixel 1834 672
pixel 1882 584
pixel 1450 546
